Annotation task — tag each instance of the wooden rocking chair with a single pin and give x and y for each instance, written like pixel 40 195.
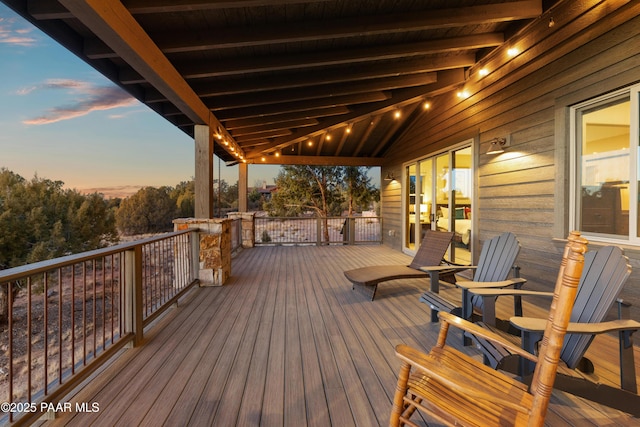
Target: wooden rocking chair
pixel 456 389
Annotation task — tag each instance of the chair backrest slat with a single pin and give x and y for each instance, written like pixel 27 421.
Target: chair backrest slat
pixel 605 273
pixel 497 258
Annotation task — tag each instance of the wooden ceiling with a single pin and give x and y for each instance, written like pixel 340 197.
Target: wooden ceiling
pixel 285 81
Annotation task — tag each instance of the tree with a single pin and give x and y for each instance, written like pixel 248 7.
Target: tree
pixel 40 220
pixel 308 188
pixel 92 222
pixel 185 199
pixel 150 210
pixel 358 188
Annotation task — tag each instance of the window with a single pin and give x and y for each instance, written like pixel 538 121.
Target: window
pixel 604 134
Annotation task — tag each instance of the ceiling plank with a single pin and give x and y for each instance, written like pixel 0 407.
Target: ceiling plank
pixel 111 21
pixel 408 111
pixel 198 69
pixel 447 80
pixel 347 132
pixel 363 139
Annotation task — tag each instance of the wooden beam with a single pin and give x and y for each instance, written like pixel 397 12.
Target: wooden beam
pixel 221 86
pixel 274 119
pixel 317 160
pixel 296 32
pixel 263 135
pixel 197 69
pixel 319 92
pixel 298 123
pixel 303 106
pixel 203 172
pixel 243 186
pixel 113 23
pixel 51 9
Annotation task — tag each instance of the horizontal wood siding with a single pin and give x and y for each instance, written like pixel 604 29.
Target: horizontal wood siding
pixel 525 190
pixel 391 208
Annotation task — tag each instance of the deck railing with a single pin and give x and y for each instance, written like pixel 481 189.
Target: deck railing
pixel 236 235
pixel 311 230
pixel 67 316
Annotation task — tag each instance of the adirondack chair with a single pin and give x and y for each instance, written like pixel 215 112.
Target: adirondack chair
pixel 603 277
pixel 431 252
pixel 496 261
pixel 457 389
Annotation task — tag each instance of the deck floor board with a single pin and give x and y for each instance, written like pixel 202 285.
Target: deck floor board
pixel 288 342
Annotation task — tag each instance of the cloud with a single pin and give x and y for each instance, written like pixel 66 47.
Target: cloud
pixel 88 98
pixel 10 34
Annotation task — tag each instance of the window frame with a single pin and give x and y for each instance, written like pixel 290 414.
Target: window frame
pixel 631 93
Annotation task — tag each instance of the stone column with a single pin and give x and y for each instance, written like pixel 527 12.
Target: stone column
pixel 215 248
pixel 248 227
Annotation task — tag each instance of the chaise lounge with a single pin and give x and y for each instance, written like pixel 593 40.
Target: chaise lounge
pixel 430 253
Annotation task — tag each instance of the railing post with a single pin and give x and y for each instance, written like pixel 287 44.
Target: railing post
pixel 318 231
pixel 352 230
pixel 133 294
pixel 194 237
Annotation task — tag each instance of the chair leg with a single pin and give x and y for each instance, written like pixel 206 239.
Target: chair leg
pixel 373 292
pixel 627 364
pixel 398 399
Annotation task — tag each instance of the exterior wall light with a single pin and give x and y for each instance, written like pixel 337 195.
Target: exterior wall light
pixel 498 145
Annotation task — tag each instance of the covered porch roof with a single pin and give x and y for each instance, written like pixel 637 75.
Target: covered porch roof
pixel 292 81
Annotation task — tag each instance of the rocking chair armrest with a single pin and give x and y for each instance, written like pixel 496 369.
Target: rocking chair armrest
pixel 471 285
pixel 484 333
pixel 532 324
pixel 450 377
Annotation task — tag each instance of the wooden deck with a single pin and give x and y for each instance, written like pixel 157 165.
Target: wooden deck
pixel 285 342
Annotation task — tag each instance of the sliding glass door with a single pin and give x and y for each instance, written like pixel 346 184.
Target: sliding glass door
pixel 438 196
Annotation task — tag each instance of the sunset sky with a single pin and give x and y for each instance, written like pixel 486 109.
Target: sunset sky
pixel 62 120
